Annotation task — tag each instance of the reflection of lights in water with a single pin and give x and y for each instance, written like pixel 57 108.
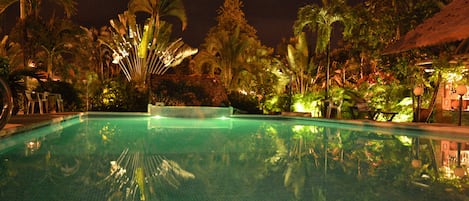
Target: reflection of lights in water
pixel 70 168
pixel 136 174
pixel 32 146
pixel 454 160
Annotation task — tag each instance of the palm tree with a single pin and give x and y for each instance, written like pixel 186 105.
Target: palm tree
pixel 159 9
pixel 56 41
pixel 226 51
pixel 321 20
pixel 101 55
pixel 232 47
pixel 10 50
pixel 32 7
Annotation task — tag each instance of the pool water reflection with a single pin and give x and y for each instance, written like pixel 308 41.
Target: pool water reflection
pixel 142 158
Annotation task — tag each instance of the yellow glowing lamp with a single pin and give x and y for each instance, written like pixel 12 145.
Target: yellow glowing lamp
pixel 416 163
pixel 418 91
pixel 461 90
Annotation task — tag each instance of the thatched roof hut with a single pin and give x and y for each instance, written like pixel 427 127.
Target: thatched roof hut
pixel 451 24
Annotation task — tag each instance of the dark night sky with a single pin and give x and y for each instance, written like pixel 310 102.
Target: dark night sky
pixel 272 19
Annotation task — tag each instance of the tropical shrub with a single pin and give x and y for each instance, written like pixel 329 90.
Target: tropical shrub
pixel 276 104
pixel 108 97
pixel 244 103
pixel 72 101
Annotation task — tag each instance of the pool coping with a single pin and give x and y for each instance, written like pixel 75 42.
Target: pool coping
pixel 24 123
pixel 31 122
pixel 438 129
pixel 415 126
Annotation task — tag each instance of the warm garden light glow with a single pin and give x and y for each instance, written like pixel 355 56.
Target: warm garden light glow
pixel 303 106
pixel 157 117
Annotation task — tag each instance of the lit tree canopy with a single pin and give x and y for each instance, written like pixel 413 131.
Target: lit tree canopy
pixel 232 48
pixel 321 20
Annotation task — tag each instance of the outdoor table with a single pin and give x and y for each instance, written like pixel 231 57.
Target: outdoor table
pixel 388 115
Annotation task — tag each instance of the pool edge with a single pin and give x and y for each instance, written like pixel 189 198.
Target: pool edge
pixel 450 129
pixel 461 131
pixel 34 122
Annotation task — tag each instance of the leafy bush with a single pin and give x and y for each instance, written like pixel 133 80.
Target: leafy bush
pixel 188 91
pixel 276 104
pixel 118 96
pixel 111 97
pixel 72 101
pixel 244 103
pixel 181 93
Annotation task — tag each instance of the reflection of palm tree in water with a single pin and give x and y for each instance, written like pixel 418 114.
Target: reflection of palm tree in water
pixel 136 173
pixel 302 156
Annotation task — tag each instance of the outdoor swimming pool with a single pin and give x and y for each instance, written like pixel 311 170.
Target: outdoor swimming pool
pixel 101 157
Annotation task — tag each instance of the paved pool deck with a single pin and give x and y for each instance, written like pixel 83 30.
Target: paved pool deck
pixel 20 123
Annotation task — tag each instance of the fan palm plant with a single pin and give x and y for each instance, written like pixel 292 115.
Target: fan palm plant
pixel 138 50
pixel 141 51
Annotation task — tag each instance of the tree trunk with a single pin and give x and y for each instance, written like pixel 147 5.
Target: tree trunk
pixel 431 107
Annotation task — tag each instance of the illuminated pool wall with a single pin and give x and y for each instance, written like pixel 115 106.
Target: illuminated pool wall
pixel 189 111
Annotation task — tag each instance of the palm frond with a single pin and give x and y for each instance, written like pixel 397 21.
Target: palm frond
pixel 4 4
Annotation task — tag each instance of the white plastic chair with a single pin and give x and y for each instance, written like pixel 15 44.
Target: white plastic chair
pixel 43 102
pixel 32 100
pixel 337 106
pixel 60 103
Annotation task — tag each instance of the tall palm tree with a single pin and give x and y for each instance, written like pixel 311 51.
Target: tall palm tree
pixel 320 20
pixel 31 7
pixel 225 51
pixel 57 39
pixel 233 48
pixel 49 42
pixel 159 9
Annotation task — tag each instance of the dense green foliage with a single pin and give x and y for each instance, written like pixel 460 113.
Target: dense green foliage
pixel 334 41
pixel 118 96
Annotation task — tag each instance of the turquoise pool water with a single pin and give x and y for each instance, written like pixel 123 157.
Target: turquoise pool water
pixel 100 158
